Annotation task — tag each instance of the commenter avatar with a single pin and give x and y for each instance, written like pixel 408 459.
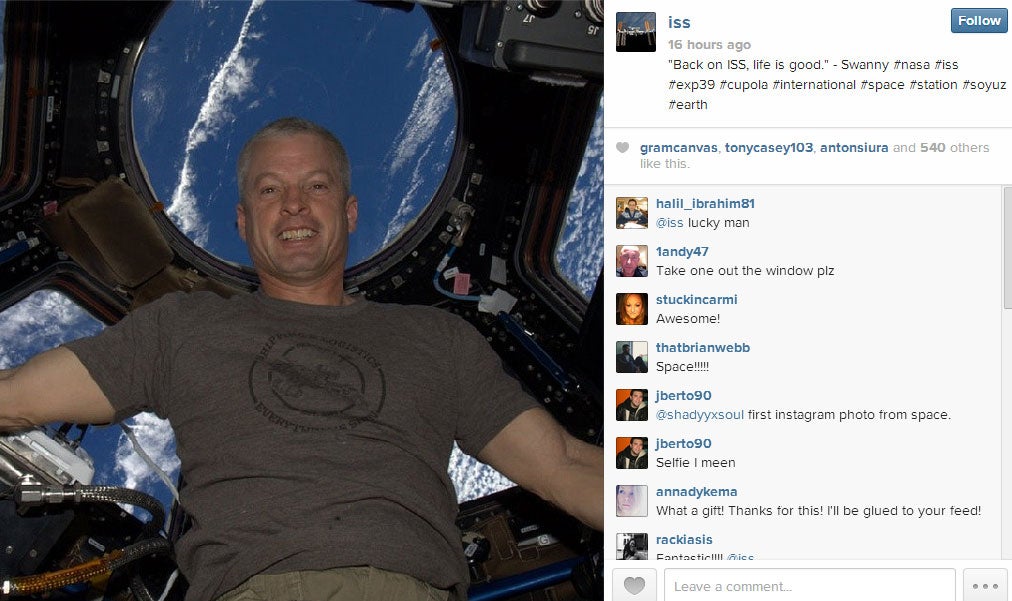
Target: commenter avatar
pixel 634 455
pixel 631 261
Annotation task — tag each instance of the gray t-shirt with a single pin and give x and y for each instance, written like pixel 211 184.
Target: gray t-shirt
pixel 310 437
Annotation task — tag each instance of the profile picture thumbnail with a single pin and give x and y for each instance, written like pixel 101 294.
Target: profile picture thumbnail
pixel 631 212
pixel 631 405
pixel 631 500
pixel 635 32
pixel 631 261
pixel 631 308
pixel 631 545
pixel 631 356
pixel 632 453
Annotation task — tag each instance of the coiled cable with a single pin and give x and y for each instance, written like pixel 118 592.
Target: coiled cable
pixel 29 492
pixel 108 563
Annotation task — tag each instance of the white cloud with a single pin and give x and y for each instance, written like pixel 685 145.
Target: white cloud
pixel 473 479
pixel 421 45
pixel 230 83
pixel 153 95
pixel 582 235
pixel 415 140
pixel 368 35
pixel 156 438
pixel 434 100
pixel 41 321
pixel 407 209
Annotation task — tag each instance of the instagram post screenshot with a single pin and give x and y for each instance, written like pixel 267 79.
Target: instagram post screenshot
pixel 320 300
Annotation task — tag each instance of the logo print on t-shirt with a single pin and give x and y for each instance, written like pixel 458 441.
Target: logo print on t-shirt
pixel 304 382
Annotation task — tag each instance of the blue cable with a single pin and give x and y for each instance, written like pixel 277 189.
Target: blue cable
pixel 528 581
pixel 439 271
pixel 14 251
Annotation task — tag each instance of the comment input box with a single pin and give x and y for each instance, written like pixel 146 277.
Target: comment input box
pixel 822 584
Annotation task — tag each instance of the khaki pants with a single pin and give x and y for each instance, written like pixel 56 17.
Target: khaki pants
pixel 364 583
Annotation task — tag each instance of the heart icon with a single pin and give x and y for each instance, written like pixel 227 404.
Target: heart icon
pixel 622 146
pixel 634 585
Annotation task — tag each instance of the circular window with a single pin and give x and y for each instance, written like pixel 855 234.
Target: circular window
pixel 211 74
